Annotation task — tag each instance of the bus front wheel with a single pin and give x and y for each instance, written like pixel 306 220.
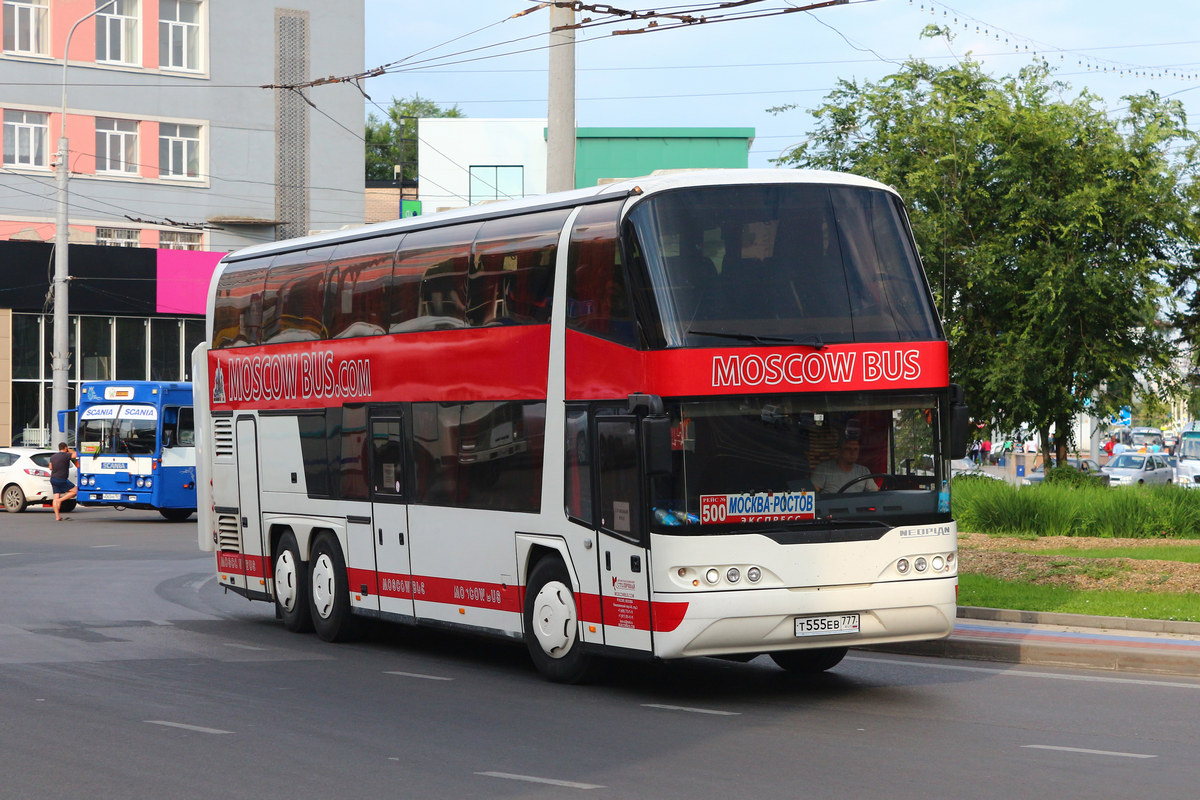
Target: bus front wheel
pixel 329 592
pixel 291 586
pixel 176 514
pixel 552 624
pixel 809 662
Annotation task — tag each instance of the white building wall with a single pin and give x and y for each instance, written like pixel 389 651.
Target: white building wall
pixel 448 148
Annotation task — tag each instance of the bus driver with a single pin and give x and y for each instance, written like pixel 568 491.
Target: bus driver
pixel 832 475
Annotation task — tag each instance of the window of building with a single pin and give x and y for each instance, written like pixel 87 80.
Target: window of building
pixel 179 34
pixel 178 150
pixel 26 27
pixel 26 139
pixel 496 183
pixel 117 237
pixel 180 240
pixel 116 145
pixel 117 32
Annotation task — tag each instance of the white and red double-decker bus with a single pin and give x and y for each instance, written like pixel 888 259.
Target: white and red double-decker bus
pixel 701 414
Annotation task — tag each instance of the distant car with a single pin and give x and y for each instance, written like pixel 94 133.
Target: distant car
pixel 1085 465
pixel 25 478
pixel 1129 469
pixel 966 468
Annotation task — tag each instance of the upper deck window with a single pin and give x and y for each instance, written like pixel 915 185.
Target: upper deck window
pixel 765 264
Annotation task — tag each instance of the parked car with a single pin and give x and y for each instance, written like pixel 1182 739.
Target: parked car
pixel 1085 465
pixel 25 478
pixel 1135 468
pixel 966 468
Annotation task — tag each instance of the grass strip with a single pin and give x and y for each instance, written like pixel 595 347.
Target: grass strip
pixel 986 592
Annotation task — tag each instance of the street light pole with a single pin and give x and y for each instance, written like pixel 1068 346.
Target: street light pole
pixel 60 354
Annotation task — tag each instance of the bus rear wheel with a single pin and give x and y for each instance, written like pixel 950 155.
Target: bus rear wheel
pixel 176 514
pixel 552 624
pixel 809 662
pixel 291 586
pixel 329 592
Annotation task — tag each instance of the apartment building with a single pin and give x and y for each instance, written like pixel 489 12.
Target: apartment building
pixel 177 153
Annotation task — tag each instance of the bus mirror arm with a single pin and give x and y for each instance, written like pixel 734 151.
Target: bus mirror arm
pixel 960 422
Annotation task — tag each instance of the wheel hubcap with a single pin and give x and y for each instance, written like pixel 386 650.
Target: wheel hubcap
pixel 285 580
pixel 554 619
pixel 322 585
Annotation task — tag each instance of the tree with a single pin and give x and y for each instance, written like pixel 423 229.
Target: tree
pixel 393 141
pixel 1051 233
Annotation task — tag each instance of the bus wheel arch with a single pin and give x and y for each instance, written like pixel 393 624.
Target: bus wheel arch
pixel 329 590
pixel 290 582
pixel 551 619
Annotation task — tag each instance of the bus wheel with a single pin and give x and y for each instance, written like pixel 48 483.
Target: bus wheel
pixel 291 586
pixel 329 595
pixel 552 624
pixel 809 662
pixel 66 506
pixel 176 514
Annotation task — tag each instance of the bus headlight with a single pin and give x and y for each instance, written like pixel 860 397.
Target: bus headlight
pixel 712 576
pixel 939 563
pixel 920 564
pixel 149 482
pixel 733 575
pixel 754 574
pixel 902 566
pixel 140 483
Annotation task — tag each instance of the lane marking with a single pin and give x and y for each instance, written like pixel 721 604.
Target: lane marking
pixel 102 546
pixel 691 710
pixel 418 675
pixel 1015 672
pixel 182 726
pixel 12 554
pixel 547 781
pixel 246 647
pixel 1085 751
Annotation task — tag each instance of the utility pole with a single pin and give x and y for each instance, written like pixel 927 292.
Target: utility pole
pixel 560 112
pixel 60 357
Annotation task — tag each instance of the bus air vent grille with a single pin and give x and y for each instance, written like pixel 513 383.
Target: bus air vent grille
pixel 227 534
pixel 223 438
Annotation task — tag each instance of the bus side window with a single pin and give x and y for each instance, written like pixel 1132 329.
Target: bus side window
pixel 578 484
pixel 618 508
pixel 436 261
pixel 293 306
pixel 353 460
pixel 185 429
pixel 512 269
pixel 237 310
pixel 359 301
pixel 597 298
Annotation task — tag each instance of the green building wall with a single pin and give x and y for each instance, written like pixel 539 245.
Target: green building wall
pixel 607 153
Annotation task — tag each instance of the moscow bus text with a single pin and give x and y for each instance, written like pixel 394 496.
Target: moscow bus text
pixel 136 444
pixel 686 415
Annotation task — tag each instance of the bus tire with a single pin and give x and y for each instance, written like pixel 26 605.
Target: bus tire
pixel 66 506
pixel 176 514
pixel 552 624
pixel 291 586
pixel 329 592
pixel 809 662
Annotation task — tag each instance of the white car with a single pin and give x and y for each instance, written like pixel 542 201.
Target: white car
pixel 1129 469
pixel 25 478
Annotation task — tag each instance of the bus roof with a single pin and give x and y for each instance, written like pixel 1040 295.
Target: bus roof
pixel 651 184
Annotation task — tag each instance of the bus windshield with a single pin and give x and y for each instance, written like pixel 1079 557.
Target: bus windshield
pixel 128 430
pixel 794 263
pixel 788 461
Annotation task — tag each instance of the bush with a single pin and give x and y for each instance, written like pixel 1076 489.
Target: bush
pixel 1070 476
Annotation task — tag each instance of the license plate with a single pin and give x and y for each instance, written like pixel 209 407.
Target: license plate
pixel 827 626
pixel 110 496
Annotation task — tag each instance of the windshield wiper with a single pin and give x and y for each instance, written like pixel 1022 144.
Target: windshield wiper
pixel 808 340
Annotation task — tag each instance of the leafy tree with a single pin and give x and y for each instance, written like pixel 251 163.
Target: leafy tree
pixel 1050 232
pixel 393 141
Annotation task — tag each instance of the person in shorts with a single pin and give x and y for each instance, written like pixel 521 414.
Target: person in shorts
pixel 60 476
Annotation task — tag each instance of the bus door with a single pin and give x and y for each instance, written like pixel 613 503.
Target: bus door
pixel 624 566
pixel 389 513
pixel 249 516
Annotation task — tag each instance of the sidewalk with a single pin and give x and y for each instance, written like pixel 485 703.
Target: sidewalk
pixel 1067 640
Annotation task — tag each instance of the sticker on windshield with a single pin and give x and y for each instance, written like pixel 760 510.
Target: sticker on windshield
pixel 716 509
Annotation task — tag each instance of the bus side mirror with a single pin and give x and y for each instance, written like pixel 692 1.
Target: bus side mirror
pixel 656 445
pixel 960 422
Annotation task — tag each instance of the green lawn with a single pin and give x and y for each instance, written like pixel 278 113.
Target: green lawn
pixel 978 590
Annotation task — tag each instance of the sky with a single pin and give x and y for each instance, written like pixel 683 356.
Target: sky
pixel 476 55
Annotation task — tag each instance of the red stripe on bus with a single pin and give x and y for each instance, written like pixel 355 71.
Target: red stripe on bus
pixel 598 369
pixel 502 363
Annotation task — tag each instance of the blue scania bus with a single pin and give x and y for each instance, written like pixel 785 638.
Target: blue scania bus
pixel 137 446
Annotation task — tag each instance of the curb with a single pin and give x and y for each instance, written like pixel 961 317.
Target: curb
pixel 1119 644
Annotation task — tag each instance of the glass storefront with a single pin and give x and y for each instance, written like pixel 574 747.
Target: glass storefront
pixel 112 348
